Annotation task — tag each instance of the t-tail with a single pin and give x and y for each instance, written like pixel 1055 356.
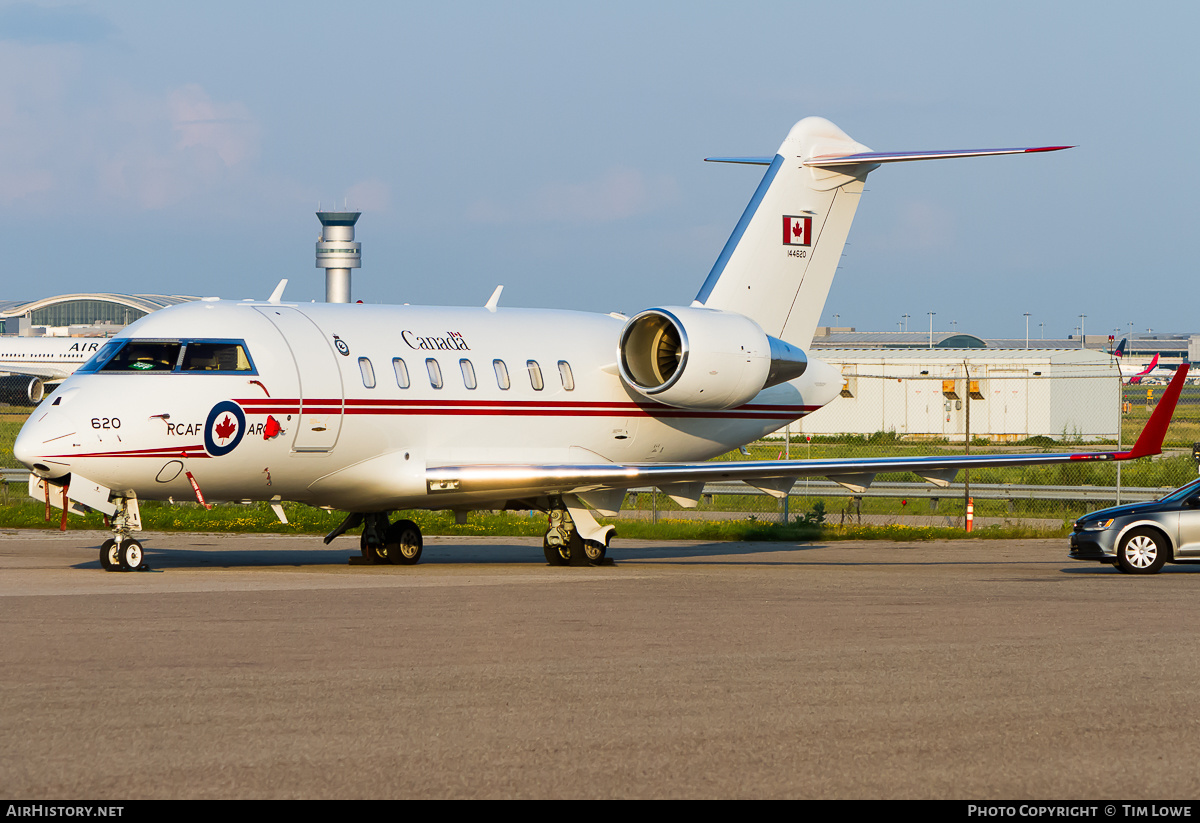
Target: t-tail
pixel 779 262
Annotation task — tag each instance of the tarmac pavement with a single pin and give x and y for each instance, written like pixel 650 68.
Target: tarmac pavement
pixel 245 666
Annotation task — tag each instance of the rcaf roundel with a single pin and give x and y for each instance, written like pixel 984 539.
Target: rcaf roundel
pixel 224 428
pixel 797 231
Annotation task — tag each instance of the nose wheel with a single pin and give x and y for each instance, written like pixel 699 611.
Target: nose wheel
pixel 122 555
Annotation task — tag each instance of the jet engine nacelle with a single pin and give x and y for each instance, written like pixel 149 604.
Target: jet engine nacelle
pixel 695 358
pixel 20 390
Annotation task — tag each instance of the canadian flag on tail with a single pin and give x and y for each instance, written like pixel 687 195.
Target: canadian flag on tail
pixel 797 231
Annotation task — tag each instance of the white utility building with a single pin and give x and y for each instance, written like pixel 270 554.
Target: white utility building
pixel 1009 394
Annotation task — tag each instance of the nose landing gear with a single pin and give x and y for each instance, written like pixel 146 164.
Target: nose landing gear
pixel 121 553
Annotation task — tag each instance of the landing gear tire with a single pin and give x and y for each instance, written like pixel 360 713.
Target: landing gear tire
pixel 109 559
pixel 595 551
pixel 131 557
pixel 555 555
pixel 1142 551
pixel 404 543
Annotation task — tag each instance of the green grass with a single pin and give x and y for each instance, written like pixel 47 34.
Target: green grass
pixel 259 519
pixel 761 511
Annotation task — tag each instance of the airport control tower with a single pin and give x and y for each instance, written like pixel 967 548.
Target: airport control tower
pixel 337 253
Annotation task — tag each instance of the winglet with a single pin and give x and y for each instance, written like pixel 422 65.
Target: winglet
pixel 1151 439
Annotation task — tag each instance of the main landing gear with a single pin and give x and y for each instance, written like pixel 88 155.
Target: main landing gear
pixel 121 553
pixel 564 545
pixel 573 537
pixel 397 543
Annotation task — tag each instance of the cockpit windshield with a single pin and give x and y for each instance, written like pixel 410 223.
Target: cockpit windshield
pixel 166 356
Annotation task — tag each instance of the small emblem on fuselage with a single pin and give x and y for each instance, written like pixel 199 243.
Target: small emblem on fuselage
pixel 224 428
pixel 341 346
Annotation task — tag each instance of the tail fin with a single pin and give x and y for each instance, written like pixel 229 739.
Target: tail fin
pixel 1119 351
pixel 778 264
pixel 1137 378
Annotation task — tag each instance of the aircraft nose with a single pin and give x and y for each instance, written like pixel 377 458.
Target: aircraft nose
pixel 33 444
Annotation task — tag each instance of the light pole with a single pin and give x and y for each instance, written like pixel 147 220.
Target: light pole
pixel 1082 333
pixel 931 314
pixel 1026 329
pixel 906 316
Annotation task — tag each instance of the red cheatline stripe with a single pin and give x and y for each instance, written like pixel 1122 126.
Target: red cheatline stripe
pixel 325 402
pixel 182 451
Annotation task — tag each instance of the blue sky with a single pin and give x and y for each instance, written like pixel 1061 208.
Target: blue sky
pixel 556 148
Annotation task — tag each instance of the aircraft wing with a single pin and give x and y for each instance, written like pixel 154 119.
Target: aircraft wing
pixel 684 481
pixel 44 372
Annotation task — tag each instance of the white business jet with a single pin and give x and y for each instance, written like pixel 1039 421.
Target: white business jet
pixel 378 409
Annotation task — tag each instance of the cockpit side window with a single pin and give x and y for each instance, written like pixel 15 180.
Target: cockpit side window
pixel 202 355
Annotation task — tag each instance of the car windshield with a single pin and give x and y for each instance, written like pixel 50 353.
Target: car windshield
pixel 1183 492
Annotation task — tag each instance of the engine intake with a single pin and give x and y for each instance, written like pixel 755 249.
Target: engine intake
pixel 694 358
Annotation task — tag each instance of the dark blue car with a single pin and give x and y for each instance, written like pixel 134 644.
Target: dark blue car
pixel 1139 538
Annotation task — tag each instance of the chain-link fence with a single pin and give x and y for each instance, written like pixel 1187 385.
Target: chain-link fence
pixel 883 415
pixel 966 410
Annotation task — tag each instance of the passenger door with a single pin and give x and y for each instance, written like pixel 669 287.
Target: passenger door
pixel 320 417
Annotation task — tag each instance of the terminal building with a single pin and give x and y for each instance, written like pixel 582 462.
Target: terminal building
pixel 92 315
pixel 1003 395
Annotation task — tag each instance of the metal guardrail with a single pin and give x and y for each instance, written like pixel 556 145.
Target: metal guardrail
pixel 827 488
pixel 982 491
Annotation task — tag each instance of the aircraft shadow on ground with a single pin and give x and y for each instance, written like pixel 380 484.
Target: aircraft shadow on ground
pixel 163 557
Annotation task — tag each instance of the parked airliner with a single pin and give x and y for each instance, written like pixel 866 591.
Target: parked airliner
pixel 34 362
pixel 377 409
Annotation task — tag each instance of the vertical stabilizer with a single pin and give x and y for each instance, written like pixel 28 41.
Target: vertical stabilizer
pixel 778 265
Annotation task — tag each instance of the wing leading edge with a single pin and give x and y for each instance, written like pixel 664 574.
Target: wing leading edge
pixel 774 477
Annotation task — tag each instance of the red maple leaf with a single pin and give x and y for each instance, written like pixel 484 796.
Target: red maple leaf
pixel 225 428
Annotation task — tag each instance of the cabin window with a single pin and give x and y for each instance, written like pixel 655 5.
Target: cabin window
pixel 435 373
pixel 568 379
pixel 535 375
pixel 501 375
pixel 205 356
pixel 367 371
pixel 468 372
pixel 401 371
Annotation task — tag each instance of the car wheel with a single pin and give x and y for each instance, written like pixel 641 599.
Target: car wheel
pixel 1142 551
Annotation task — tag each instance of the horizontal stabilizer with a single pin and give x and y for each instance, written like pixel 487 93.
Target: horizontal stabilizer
pixel 745 161
pixel 829 160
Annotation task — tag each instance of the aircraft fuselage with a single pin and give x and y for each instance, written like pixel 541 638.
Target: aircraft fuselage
pixel 346 405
